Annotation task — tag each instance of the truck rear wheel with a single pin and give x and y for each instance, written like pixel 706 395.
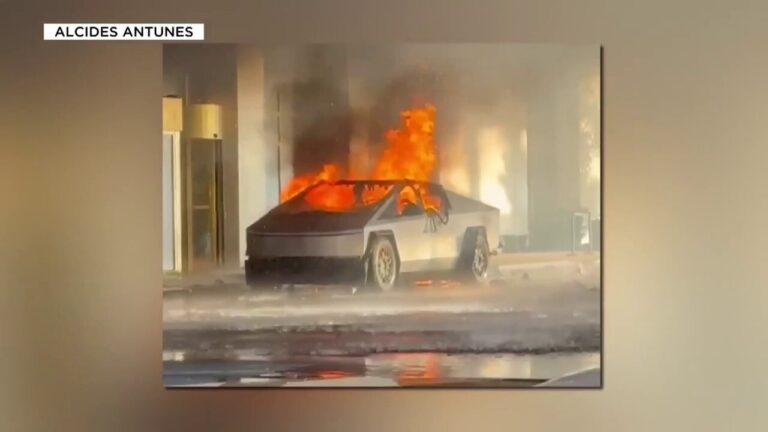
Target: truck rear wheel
pixel 475 257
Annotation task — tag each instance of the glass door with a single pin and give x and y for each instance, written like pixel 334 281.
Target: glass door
pixel 204 210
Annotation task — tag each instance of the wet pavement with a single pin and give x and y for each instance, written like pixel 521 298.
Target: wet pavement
pixel 385 370
pixel 530 324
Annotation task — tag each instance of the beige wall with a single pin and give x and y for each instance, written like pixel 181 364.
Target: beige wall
pixel 685 277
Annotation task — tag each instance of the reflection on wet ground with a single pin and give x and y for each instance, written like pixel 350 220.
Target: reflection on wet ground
pixel 383 370
pixel 517 331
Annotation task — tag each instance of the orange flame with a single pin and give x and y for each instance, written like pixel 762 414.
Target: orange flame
pixel 409 154
pixel 410 151
pixel 329 173
pixel 331 197
pixel 374 194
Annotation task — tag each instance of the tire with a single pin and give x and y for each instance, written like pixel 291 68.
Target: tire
pixel 475 257
pixel 383 265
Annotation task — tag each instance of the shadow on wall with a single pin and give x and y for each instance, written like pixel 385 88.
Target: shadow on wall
pixel 322 125
pixel 321 120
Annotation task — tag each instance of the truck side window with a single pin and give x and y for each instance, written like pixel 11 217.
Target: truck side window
pixel 403 205
pixel 410 209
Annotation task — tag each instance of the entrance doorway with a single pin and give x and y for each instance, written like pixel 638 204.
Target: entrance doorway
pixel 204 211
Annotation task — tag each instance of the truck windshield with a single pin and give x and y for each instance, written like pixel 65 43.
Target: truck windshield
pixel 338 198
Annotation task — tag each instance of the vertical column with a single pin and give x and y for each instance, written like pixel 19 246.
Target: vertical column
pixel 515 176
pixel 252 152
pixel 590 140
pixel 279 77
pixel 554 158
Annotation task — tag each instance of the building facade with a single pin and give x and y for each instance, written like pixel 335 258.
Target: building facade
pixel 517 127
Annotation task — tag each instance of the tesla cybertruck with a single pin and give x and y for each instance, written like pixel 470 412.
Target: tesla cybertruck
pixel 384 232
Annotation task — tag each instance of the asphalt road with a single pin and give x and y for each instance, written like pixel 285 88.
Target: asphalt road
pixel 524 327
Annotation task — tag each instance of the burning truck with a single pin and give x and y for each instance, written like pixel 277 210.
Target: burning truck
pixel 378 230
